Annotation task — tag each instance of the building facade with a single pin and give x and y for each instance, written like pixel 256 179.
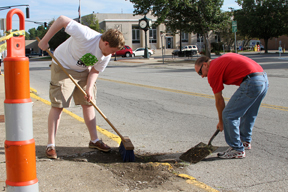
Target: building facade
pixel 157 37
pixel 275 43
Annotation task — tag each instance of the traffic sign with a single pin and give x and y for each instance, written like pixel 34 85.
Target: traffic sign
pixel 234 26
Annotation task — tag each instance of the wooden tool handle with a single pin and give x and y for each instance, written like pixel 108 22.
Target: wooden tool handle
pixel 101 113
pixel 213 136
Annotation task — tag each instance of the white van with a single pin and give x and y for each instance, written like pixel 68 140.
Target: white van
pixel 252 44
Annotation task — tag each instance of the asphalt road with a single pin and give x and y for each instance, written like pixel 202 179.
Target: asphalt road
pixel 169 109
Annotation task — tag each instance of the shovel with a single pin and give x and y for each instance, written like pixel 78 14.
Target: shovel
pixel 200 151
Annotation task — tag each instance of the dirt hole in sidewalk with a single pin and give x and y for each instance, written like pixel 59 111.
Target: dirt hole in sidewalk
pixel 141 175
pixel 146 172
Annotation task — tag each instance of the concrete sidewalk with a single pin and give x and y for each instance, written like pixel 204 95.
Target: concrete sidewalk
pixel 74 170
pixel 72 138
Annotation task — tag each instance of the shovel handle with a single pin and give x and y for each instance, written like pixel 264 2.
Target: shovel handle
pixel 77 85
pixel 213 136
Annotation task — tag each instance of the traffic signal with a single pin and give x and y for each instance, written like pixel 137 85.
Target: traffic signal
pixel 27 13
pixel 45 25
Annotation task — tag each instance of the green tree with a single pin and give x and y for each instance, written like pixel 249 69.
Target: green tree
pixel 263 19
pixel 27 36
pixel 197 16
pixel 32 33
pixel 41 31
pixel 92 22
pixel 225 31
pixel 226 34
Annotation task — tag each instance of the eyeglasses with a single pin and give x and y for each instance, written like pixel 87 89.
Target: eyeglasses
pixel 200 70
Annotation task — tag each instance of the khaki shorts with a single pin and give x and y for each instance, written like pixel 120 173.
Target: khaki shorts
pixel 62 89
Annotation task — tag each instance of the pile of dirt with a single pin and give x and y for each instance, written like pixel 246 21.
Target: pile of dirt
pixel 146 172
pixel 141 175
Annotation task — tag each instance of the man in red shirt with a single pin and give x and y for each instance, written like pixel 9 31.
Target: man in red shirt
pixel 237 118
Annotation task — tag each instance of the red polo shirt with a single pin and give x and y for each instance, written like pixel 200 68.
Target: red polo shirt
pixel 230 69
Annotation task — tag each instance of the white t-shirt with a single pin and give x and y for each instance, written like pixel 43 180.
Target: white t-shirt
pixel 83 40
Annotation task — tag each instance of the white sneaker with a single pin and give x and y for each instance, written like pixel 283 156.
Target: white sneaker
pixel 247 145
pixel 230 153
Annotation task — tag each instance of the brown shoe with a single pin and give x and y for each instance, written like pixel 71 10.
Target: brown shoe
pixel 100 146
pixel 51 153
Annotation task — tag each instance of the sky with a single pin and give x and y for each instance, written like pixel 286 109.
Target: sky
pixel 45 11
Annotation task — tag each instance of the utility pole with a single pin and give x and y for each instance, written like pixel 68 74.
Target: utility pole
pixel 79 11
pixel 234 30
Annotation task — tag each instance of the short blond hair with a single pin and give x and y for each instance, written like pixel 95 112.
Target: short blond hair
pixel 201 60
pixel 114 37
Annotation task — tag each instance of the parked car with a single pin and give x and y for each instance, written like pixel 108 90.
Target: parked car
pixel 192 48
pixel 125 52
pixel 175 52
pixel 140 52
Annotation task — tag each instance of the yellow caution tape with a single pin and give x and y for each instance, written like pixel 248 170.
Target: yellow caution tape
pixel 3 47
pixel 10 34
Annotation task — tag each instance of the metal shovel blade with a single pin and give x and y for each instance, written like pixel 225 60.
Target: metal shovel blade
pixel 199 152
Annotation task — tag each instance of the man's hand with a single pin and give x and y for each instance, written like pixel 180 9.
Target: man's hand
pixel 89 95
pixel 220 126
pixel 91 80
pixel 43 45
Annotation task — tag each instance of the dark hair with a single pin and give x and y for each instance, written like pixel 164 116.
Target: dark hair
pixel 201 60
pixel 114 37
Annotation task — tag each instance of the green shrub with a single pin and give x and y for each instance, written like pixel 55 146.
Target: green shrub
pixel 216 47
pixel 217 53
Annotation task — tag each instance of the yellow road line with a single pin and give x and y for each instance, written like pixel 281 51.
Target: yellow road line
pixel 189 179
pixel 188 93
pixel 193 181
pixel 160 88
pixel 101 130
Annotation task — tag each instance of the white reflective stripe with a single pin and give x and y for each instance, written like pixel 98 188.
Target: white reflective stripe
pixel 29 188
pixel 18 121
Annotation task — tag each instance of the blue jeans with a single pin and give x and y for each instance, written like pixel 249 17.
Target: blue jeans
pixel 241 111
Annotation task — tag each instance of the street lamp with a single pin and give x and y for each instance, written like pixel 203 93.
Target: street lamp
pixel 162 35
pixel 145 24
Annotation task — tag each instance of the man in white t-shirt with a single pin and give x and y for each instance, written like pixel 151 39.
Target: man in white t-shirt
pixel 84 54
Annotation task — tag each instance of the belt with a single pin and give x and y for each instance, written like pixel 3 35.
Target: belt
pixel 253 75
